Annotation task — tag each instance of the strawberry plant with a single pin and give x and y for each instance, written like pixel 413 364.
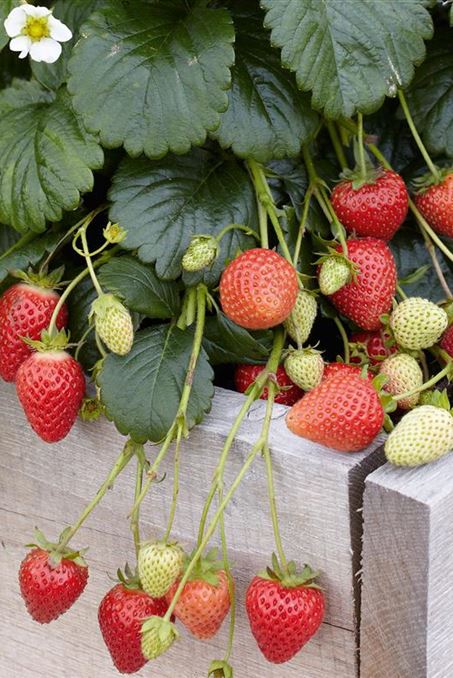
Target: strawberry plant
pixel 186 186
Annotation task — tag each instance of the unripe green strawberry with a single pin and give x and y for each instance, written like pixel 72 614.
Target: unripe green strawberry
pixel 113 323
pixel 300 322
pixel 201 252
pixel 424 434
pixel 333 274
pixel 159 565
pixel 305 368
pixel 158 636
pixel 417 323
pixel 404 374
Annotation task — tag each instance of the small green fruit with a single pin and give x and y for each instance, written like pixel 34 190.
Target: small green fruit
pixel 159 565
pixel 305 368
pixel 334 274
pixel 300 322
pixel 158 636
pixel 113 323
pixel 417 323
pixel 201 253
pixel 423 435
pixel 403 374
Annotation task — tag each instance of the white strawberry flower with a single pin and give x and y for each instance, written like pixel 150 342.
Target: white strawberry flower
pixel 35 31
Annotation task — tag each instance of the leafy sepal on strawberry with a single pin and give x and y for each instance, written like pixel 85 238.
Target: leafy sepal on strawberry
pixel 56 553
pixel 289 576
pixel 49 281
pixel 206 568
pixel 49 342
pixel 158 635
pixel 422 183
pixel 219 668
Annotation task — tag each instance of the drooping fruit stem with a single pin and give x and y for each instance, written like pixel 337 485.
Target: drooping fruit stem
pixel 179 425
pixel 272 499
pixel 361 149
pixel 410 121
pixel 447 370
pixel 264 197
pixel 303 222
pixel 344 337
pixel 126 455
pixel 337 145
pixel 174 500
pixel 135 523
pixel 88 255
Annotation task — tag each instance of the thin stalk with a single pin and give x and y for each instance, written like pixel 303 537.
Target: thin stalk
pixel 440 274
pixel 231 590
pixel 337 145
pixel 427 228
pixel 87 255
pixel 235 227
pixel 437 377
pixel 99 344
pixel 344 337
pixel 227 498
pixel 135 523
pixel 262 217
pixel 174 501
pixel 273 505
pixel 303 221
pixel 362 163
pixel 410 121
pixel 81 342
pixel 123 459
pixel 401 292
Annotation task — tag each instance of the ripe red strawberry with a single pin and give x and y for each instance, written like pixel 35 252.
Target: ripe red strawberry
pixel 436 205
pixel 245 375
pixel 204 601
pixel 120 619
pixel 49 590
pixel 284 612
pixel 344 412
pixel 368 297
pixel 331 369
pixel 375 209
pixel 258 289
pixel 50 386
pixel 25 310
pixel 447 341
pixel 375 347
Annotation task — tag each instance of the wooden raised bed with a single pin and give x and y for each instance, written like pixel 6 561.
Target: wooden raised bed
pixel 319 494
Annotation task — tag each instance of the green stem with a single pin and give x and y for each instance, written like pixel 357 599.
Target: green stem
pixel 255 392
pixel 213 524
pixel 410 121
pixel 174 501
pixel 124 458
pixel 339 229
pixel 87 254
pixel 427 228
pixel 235 227
pixel 135 523
pixel 344 337
pixel 231 590
pixel 264 196
pixel 437 377
pixel 401 292
pixel 273 504
pixel 262 217
pixel 437 267
pixel 362 163
pixel 81 342
pixel 303 221
pixel 337 145
pixel 72 285
pixel 24 240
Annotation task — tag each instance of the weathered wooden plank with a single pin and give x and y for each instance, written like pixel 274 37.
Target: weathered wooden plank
pixel 407 596
pixel 49 485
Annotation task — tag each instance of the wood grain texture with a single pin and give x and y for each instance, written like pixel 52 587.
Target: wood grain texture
pixel 317 489
pixel 407 595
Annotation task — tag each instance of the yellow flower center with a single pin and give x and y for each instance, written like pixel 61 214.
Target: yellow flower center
pixel 36 28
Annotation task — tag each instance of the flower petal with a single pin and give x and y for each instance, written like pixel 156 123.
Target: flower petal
pixel 58 30
pixel 15 21
pixel 37 12
pixel 21 44
pixel 46 49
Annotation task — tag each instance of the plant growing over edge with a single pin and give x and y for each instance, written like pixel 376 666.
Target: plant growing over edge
pixel 212 177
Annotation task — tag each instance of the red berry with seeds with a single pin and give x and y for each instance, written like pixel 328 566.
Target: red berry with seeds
pixel 365 299
pixel 447 341
pixel 436 205
pixel 376 209
pixel 375 345
pixel 48 589
pixel 25 310
pixel 245 375
pixel 331 369
pixel 258 290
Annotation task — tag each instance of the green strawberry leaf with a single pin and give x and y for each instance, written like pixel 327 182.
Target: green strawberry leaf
pixel 163 204
pixel 79 306
pixel 410 254
pixel 26 254
pixel 350 54
pixel 226 342
pixel 153 76
pixel 139 287
pixel 73 14
pixel 141 391
pixel 46 156
pixel 267 116
pixel 430 96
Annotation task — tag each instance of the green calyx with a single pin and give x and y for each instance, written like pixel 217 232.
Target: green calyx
pixel 49 342
pixel 437 399
pixel 335 272
pixel 421 184
pixel 289 577
pixel 356 176
pixel 113 233
pixel 206 567
pixel 44 279
pixel 129 578
pixel 220 669
pixel 91 409
pixel 158 635
pixel 56 553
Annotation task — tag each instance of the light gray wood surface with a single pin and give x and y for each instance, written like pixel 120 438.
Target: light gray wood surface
pixel 407 596
pixel 318 493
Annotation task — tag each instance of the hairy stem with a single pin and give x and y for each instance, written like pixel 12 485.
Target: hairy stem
pixel 410 121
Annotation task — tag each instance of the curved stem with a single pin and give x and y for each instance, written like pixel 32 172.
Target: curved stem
pixel 303 221
pixel 87 255
pixel 124 458
pixel 262 217
pixel 24 240
pixel 135 523
pixel 235 227
pixel 437 267
pixel 427 228
pixel 81 342
pixel 410 121
pixel 401 292
pixel 99 344
pixel 231 590
pixel 174 501
pixel 362 163
pixel 273 503
pixel 437 377
pixel 344 337
pixel 72 285
pixel 337 145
